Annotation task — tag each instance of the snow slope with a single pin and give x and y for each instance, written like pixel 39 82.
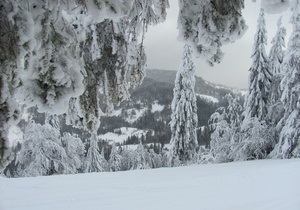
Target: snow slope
pixel 125 133
pixel 259 185
pixel 208 98
pixel 156 107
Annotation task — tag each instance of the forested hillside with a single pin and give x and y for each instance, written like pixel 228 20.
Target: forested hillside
pixel 143 119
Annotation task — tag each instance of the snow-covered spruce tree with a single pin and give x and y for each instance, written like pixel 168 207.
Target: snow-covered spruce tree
pixel 220 144
pixel 141 158
pixel 155 160
pixel 256 141
pixel 289 138
pixel 277 50
pixel 9 80
pixel 115 159
pixel 225 123
pixel 49 67
pixel 234 112
pixel 114 60
pixel 75 150
pixel 260 76
pixel 234 115
pixel 104 161
pixel 184 112
pixel 94 162
pixel 206 25
pixel 276 58
pixel 127 159
pixel 43 53
pixel 42 152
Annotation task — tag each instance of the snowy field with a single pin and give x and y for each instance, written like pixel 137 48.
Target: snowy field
pixel 208 98
pixel 125 133
pixel 266 184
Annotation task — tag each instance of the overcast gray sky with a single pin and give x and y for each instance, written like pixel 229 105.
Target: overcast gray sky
pixel 164 51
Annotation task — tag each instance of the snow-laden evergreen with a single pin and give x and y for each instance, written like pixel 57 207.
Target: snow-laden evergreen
pixel 258 96
pixel 49 65
pixel 225 124
pixel 277 50
pixel 9 80
pixel 289 138
pixel 184 119
pixel 94 161
pixel 234 111
pixel 220 143
pixel 207 25
pixel 276 56
pixel 42 152
pixel 115 159
pixel 74 149
pixel 257 141
pixel 141 158
pixel 155 160
pixel 44 50
pixel 256 138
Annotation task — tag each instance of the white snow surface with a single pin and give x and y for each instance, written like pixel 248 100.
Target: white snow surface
pixel 125 132
pixel 156 107
pixel 135 146
pixel 130 146
pixel 208 98
pixel 116 113
pixel 259 185
pixel 138 113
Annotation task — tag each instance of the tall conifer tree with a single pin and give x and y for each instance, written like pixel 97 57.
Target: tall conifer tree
pixel 115 159
pixel 256 140
pixel 276 58
pixel 184 111
pixel 94 162
pixel 256 104
pixel 289 138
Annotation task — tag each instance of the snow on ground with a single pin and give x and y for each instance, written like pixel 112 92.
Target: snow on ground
pixel 134 146
pixel 208 98
pixel 116 112
pixel 113 137
pixel 121 134
pixel 134 114
pixel 157 107
pixel 130 146
pixel 259 185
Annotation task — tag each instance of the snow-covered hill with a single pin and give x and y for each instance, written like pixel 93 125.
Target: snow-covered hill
pixel 121 134
pixel 208 98
pixel 266 184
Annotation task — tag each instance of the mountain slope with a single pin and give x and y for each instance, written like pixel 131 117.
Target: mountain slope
pixel 259 185
pixel 201 86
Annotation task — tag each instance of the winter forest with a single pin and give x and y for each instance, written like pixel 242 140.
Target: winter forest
pixel 66 65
